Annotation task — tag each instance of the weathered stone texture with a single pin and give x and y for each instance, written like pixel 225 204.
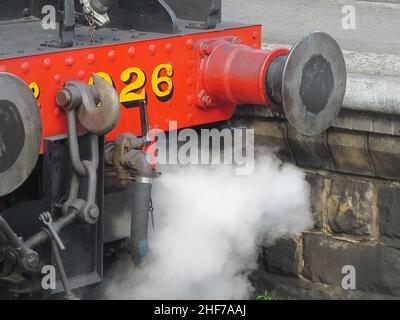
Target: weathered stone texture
pixel 310 152
pixel 282 257
pixel 350 152
pixel 389 212
pixel 319 192
pixel 272 135
pixel 324 259
pixel 357 219
pixel 385 155
pixel 377 265
pixel 351 206
pixel 280 287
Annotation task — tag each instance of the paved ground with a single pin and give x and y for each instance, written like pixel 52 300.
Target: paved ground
pixel 372 48
pixel 285 21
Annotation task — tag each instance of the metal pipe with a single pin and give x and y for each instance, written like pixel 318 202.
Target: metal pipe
pixel 236 73
pixel 140 218
pixel 142 186
pixel 9 233
pixel 273 80
pixel 28 258
pixel 42 236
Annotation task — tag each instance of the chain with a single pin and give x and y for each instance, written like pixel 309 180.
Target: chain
pixel 87 207
pixel 75 208
pixel 90 19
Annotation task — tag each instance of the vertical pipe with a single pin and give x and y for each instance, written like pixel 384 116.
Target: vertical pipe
pixel 140 218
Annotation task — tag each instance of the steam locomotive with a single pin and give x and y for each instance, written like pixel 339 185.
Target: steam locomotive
pixel 82 83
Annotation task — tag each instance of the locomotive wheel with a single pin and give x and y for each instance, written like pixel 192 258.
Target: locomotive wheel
pixel 20 132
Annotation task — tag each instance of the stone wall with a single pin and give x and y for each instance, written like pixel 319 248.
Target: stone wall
pixel 357 220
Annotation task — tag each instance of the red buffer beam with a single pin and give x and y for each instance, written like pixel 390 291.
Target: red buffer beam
pixel 159 70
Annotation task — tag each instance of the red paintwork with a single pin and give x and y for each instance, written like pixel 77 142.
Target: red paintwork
pixel 51 70
pixel 231 72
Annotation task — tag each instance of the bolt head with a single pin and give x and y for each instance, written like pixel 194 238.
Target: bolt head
pixel 94 213
pixel 32 262
pixel 26 12
pixel 206 49
pixel 206 100
pixel 63 98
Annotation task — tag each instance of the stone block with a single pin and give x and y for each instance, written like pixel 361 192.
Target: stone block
pixel 389 211
pixel 349 151
pixel 351 206
pixel 319 191
pixel 310 152
pixel 281 257
pixel 272 135
pixel 385 154
pixel 377 265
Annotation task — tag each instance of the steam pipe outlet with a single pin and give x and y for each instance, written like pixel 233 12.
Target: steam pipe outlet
pixel 125 155
pixel 142 186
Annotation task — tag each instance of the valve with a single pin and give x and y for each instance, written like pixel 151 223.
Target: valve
pixel 307 84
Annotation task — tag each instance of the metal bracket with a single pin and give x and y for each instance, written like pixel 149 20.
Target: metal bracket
pixel 203 14
pixel 67 24
pixel 149 16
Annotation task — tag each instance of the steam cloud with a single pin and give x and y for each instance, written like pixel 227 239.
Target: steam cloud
pixel 208 224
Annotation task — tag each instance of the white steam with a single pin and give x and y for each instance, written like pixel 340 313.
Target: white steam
pixel 208 224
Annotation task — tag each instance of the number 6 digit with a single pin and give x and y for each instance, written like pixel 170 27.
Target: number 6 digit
pixel 162 85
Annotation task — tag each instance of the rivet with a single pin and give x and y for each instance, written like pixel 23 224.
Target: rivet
pixel 152 49
pixel 206 49
pixel 57 78
pixel 189 44
pixel 25 67
pixel 168 48
pixel 206 100
pixel 131 51
pixel 255 35
pixel 57 112
pixel 190 117
pixel 189 99
pixel 69 61
pixel 111 55
pixel 47 63
pixel 189 63
pixel 190 81
pixel 3 68
pixel 90 58
pixel 81 74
